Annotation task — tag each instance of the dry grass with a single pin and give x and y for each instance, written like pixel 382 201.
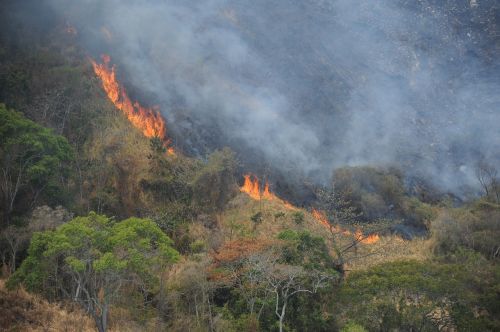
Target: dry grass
pixel 21 311
pixel 237 219
pixel 390 248
pixel 237 223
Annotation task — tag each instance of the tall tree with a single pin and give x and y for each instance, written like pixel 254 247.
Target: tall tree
pixel 30 157
pixel 89 260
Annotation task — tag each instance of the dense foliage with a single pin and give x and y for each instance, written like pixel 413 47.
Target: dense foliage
pixel 459 293
pixel 32 160
pixel 185 251
pixel 90 260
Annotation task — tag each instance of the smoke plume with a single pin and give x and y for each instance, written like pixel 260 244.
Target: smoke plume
pixel 309 86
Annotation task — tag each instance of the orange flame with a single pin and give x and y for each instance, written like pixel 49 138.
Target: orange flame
pixel 148 120
pixel 289 205
pixel 372 238
pixel 267 194
pixel 252 188
pixel 321 217
pixel 323 220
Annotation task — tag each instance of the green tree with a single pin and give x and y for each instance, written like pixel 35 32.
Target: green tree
pixel 89 260
pixel 432 295
pixel 30 157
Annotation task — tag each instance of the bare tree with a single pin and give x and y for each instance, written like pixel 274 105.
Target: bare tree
pixel 487 175
pixel 340 214
pixel 192 297
pixel 15 239
pixel 284 281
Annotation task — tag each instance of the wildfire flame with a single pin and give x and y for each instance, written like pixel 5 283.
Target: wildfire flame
pixel 148 120
pixel 370 239
pixel 251 187
pixel 267 194
pixel 323 220
pixel 321 217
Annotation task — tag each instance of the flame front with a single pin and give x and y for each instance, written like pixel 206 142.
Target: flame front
pixel 321 217
pixel 370 239
pixel 267 194
pixel 251 187
pixel 323 220
pixel 148 120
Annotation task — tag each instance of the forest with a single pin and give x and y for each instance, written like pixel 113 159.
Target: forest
pixel 110 221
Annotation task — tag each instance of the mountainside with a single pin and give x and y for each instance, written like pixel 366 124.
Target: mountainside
pixel 249 166
pixel 299 89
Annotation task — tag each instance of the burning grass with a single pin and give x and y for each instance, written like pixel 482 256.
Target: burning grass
pixel 252 188
pixel 148 120
pixel 372 249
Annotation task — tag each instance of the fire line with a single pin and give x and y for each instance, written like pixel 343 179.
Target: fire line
pixel 148 120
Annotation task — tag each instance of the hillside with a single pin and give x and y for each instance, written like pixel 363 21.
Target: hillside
pixel 22 311
pixel 133 202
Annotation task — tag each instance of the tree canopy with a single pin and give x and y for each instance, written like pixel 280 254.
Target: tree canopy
pixel 91 259
pixel 30 157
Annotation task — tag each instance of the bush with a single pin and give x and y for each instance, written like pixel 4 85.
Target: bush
pixel 416 213
pixel 380 193
pixel 475 227
pixel 353 327
pixel 298 217
pixel 197 246
pixel 373 191
pixel 214 184
pixel 411 295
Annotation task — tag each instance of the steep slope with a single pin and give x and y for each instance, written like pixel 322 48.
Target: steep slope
pixel 22 311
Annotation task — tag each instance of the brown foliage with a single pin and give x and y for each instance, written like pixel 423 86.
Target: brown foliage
pixel 238 249
pixel 474 227
pixel 21 311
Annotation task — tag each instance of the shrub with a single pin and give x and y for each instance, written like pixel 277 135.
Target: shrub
pixel 298 217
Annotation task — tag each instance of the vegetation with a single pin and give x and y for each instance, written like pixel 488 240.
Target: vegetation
pixel 173 245
pixel 375 193
pixel 95 258
pixel 32 159
pixel 22 311
pixel 456 293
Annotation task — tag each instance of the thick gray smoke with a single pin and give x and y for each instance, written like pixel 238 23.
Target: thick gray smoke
pixel 308 86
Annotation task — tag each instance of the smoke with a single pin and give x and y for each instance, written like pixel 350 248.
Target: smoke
pixel 309 86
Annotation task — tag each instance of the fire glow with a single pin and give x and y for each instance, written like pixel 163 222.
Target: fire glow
pixel 148 120
pixel 251 187
pixel 323 220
